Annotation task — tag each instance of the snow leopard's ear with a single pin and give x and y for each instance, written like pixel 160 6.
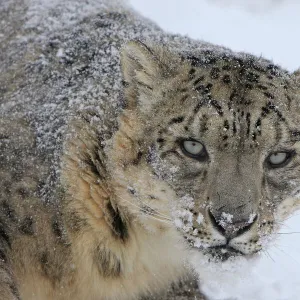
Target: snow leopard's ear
pixel 143 67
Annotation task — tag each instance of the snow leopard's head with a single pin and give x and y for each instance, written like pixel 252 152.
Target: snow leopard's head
pixel 209 144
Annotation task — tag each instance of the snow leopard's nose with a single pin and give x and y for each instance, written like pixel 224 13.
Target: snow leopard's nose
pixel 225 225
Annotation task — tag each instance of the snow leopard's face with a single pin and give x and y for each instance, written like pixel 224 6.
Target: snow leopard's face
pixel 221 139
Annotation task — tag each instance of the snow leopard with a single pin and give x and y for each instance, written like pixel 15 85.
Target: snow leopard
pixel 125 149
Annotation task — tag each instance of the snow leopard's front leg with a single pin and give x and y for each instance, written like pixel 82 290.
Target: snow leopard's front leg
pixel 8 287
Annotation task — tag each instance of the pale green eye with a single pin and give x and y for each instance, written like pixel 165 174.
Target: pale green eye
pixel 193 147
pixel 278 158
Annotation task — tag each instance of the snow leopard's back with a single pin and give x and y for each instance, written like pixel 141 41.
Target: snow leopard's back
pixel 62 59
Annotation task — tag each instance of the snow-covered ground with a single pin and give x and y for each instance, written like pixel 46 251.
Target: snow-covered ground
pixel 263 27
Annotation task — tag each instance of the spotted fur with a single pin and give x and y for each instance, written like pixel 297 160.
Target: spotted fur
pixel 98 197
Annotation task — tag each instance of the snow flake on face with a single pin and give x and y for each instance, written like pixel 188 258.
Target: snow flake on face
pixel 174 169
pixel 182 215
pixel 199 244
pixel 178 223
pixel 195 232
pixel 226 219
pixel 200 218
pixel 183 219
pixel 251 218
pixel 187 202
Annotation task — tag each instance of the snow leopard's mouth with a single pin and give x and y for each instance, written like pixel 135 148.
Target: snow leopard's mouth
pixel 222 253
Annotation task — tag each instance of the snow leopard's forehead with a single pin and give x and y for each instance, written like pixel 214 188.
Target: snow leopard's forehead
pixel 231 101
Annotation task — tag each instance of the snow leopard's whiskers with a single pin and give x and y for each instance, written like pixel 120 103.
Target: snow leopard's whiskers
pixel 266 252
pixel 287 254
pixel 155 217
pixel 292 232
pixel 148 210
pixel 282 224
pixel 292 216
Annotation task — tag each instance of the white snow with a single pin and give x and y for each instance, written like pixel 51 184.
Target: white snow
pixel 225 219
pixel 200 218
pixel 251 218
pixel 262 27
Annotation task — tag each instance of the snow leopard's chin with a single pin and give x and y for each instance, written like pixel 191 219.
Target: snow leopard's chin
pixel 223 253
pixel 220 257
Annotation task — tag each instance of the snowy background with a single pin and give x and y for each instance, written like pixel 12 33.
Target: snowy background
pixel 263 27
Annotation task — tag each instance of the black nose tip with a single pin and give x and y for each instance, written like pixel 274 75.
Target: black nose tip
pixel 230 229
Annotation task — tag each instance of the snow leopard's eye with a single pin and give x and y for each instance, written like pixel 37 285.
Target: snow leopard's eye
pixel 194 149
pixel 279 159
